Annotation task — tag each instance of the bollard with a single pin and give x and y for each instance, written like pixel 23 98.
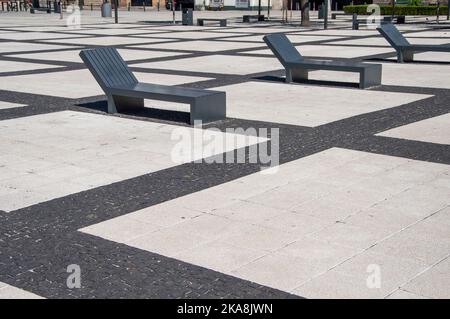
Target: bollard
pixel 355 24
pixel 438 8
pixel 106 10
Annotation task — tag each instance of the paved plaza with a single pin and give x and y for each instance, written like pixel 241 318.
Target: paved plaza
pixel 355 203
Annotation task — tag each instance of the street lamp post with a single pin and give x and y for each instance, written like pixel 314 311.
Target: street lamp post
pixel 325 18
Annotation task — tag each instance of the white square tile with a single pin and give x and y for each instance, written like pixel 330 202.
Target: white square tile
pixel 58 154
pixel 432 130
pixel 304 104
pixel 223 64
pixel 73 55
pixel 8 105
pixel 308 252
pixel 204 46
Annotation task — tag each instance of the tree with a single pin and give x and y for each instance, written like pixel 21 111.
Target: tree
pixel 304 6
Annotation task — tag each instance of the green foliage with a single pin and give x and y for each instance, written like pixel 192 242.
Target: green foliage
pixel 399 10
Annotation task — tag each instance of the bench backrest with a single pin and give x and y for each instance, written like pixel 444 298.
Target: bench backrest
pixel 392 35
pixel 282 48
pixel 108 67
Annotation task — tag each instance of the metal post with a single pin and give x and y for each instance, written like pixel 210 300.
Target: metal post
pixel 290 16
pixel 438 9
pixel 325 18
pixel 268 9
pixel 173 11
pixel 259 9
pixel 393 10
pixel 116 11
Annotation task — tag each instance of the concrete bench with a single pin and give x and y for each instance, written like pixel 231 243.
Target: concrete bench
pixel 366 21
pixel 406 50
pixel 386 19
pixel 335 14
pixel 297 67
pixel 125 93
pixel 248 17
pixel 222 22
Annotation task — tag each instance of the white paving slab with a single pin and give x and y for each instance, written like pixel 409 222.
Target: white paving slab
pixel 433 283
pixel 340 32
pixel 442 57
pixel 432 130
pixel 187 35
pixel 293 37
pixel 249 235
pixel 204 46
pixel 57 154
pixel 306 105
pixel 380 41
pixel 217 63
pixel 256 29
pixel 13 66
pixel 73 55
pixel 37 36
pixel 104 41
pixel 8 47
pixel 9 105
pixel 11 292
pixel 332 51
pixel 80 83
pixel 113 31
pixel 419 75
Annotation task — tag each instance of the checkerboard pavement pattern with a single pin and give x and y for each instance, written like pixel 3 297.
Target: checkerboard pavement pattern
pixel 362 188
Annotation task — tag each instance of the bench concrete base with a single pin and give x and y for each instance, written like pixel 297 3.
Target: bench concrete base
pixel 248 17
pixel 368 77
pixel 206 109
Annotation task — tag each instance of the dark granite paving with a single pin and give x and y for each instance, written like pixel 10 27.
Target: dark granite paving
pixel 37 243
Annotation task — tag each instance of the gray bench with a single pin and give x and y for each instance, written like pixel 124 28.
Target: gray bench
pixel 222 22
pixel 335 14
pixel 248 17
pixel 297 67
pixel 406 50
pixel 125 93
pixel 366 21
